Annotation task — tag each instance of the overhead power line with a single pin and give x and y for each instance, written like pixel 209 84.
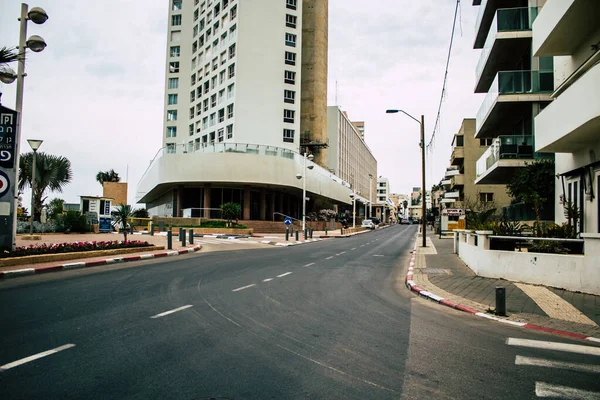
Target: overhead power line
pixel 437 119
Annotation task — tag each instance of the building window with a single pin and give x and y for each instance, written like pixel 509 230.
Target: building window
pixel 175 51
pixel 229 131
pixel 204 122
pixel 195 33
pixel 213 100
pixel 215 64
pixel 230 91
pixel 205 104
pixel 231 71
pixel 288 135
pixel 171 148
pixel 171 115
pixel 220 135
pixel 174 67
pixel 212 119
pixel 290 21
pixel 223 58
pixel 191 112
pixel 232 31
pixel 206 87
pixel 171 131
pixel 289 96
pixel 222 76
pixel 176 20
pixel 217 9
pixel 233 13
pixel 232 51
pixel 221 115
pixel 221 97
pixel 290 39
pixel 289 77
pixel 485 142
pixel 191 129
pixel 230 111
pixel 172 99
pixel 198 109
pixel 175 36
pixel 194 47
pixel 291 4
pixel 176 5
pixel 173 83
pixel 193 79
pixel 288 116
pixel 192 96
pixel 486 197
pixel 290 58
pixel 213 82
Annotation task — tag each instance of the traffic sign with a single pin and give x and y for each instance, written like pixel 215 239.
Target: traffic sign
pixel 4 183
pixel 287 221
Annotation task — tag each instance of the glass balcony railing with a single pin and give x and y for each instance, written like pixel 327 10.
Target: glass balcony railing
pixel 515 82
pixel 480 13
pixel 505 20
pixel 509 147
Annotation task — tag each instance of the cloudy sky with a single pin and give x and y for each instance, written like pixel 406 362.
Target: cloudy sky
pixel 95 95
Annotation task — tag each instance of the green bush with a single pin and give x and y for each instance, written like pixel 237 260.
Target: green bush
pixel 71 221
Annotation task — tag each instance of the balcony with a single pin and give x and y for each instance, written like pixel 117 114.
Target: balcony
pixel 509 98
pixel 458 156
pixel 452 195
pixel 446 182
pixel 485 16
pixel 457 180
pixel 572 121
pixel 564 25
pixel 510 34
pixel 504 157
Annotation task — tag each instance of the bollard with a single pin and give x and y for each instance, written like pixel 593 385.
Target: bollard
pixel 500 301
pixel 169 239
pixel 305 233
pixel 151 228
pixel 296 234
pixel 325 231
pixel 342 231
pixel 191 236
pixel 311 231
pixel 182 235
pixel 287 234
pixel 161 226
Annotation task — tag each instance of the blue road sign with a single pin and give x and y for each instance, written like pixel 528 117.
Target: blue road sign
pixel 287 221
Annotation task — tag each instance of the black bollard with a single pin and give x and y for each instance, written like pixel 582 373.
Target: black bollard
pixel 287 234
pixel 500 301
pixel 151 228
pixel 182 236
pixel 191 236
pixel 297 235
pixel 169 239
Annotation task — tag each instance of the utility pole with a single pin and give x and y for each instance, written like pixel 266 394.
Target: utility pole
pixel 424 208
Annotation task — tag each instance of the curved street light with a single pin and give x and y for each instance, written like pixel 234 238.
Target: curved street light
pixel 305 157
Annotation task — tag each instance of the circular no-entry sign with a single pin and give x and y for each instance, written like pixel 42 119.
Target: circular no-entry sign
pixel 4 183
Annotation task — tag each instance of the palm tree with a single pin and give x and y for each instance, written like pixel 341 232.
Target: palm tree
pixel 51 172
pixel 230 211
pixel 107 176
pixel 121 216
pixel 9 55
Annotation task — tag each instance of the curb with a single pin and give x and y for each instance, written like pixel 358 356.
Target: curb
pixel 410 284
pixel 287 244
pixel 86 264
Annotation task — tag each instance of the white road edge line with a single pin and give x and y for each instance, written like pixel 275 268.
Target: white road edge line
pixel 556 346
pixel 308 265
pixel 243 287
pixel 282 275
pixel 171 311
pixel 35 357
pixel 267 280
pixel 543 389
pixel 540 362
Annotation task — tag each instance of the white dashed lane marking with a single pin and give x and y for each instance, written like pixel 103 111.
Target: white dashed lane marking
pixel 243 287
pixel 329 258
pixel 267 280
pixel 308 265
pixel 171 311
pixel 282 275
pixel 35 357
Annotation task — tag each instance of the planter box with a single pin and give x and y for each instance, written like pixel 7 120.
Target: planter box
pixel 25 260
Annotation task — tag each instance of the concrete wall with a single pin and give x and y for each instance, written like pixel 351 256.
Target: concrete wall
pixel 571 272
pixel 116 190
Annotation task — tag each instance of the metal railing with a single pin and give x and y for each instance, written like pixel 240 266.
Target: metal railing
pixel 509 147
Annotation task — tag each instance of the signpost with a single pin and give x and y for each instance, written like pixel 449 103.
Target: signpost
pixel 287 221
pixel 8 177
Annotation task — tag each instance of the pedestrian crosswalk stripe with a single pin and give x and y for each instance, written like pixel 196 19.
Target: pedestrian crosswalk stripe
pixel 541 362
pixel 543 389
pixel 556 346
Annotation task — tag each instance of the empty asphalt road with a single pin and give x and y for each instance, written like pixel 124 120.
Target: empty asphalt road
pixel 326 320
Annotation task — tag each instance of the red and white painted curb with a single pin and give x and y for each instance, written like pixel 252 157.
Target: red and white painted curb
pixel 410 283
pixel 95 263
pixel 287 244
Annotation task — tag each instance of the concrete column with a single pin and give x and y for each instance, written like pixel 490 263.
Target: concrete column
pixel 246 212
pixel 288 207
pixel 207 190
pixel 280 209
pixel 178 212
pixel 272 217
pixel 455 250
pixel 263 205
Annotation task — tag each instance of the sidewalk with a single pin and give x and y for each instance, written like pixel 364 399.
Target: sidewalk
pixel 93 261
pixel 437 270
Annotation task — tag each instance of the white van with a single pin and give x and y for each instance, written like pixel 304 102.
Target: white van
pixel 368 224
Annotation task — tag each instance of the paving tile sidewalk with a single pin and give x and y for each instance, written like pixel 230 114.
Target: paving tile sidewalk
pixel 438 270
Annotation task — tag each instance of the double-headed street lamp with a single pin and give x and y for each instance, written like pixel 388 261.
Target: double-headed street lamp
pixel 424 208
pixel 308 157
pixel 353 197
pixel 35 145
pixel 35 43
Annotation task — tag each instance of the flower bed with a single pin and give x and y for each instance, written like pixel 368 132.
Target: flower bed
pixel 75 247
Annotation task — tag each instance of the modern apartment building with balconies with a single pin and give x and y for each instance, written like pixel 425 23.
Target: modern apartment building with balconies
pixel 569 31
pixel 459 181
pixel 518 84
pixel 236 99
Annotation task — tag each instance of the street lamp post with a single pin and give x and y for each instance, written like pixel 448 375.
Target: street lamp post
pixel 35 145
pixel 302 176
pixel 370 196
pixel 424 206
pixel 36 44
pixel 353 197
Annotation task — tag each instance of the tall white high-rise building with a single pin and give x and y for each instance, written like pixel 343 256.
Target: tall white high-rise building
pixel 239 113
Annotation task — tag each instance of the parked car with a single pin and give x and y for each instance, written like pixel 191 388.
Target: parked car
pixel 368 224
pixel 376 221
pixel 404 221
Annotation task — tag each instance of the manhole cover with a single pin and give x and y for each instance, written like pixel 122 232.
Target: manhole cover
pixel 433 271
